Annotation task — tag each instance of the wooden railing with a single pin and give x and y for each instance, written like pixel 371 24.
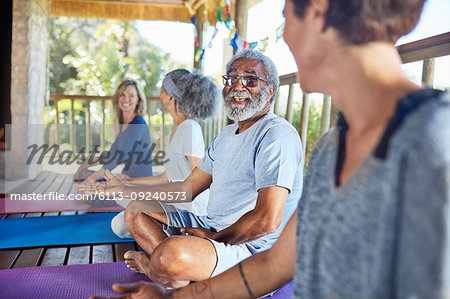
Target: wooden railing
pixel 423 50
pixel 210 127
pixel 55 98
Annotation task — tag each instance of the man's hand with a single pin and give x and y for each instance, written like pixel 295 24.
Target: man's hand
pixel 138 290
pixel 199 232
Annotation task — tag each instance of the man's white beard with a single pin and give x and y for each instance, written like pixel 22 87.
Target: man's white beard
pixel 254 105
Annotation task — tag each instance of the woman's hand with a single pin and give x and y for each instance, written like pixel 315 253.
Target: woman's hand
pixel 98 188
pixel 114 178
pixel 95 176
pixel 76 176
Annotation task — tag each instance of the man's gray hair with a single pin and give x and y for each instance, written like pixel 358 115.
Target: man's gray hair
pixel 198 96
pixel 270 69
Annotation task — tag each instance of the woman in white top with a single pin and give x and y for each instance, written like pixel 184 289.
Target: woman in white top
pixel 188 97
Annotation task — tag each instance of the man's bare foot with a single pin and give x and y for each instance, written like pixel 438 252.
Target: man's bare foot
pixel 137 261
pixel 140 262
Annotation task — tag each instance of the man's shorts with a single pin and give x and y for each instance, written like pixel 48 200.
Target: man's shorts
pixel 227 255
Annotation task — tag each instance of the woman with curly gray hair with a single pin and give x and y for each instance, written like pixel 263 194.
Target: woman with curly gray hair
pixel 188 97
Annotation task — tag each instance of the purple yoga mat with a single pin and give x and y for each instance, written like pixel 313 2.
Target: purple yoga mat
pixel 77 281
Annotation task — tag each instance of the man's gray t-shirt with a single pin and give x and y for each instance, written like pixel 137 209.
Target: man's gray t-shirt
pixel 384 233
pixel 269 153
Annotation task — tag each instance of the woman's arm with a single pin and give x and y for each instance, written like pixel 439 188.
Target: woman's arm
pixel 161 178
pixel 256 276
pixel 150 180
pixel 193 161
pixel 86 165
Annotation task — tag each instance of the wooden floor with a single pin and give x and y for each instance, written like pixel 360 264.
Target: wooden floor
pixel 58 255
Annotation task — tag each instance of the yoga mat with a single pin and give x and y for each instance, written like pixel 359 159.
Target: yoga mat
pixel 78 281
pixel 58 230
pixel 10 206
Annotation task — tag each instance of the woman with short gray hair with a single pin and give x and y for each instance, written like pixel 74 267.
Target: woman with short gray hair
pixel 188 97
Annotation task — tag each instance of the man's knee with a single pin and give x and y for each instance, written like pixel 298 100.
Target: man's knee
pixel 171 257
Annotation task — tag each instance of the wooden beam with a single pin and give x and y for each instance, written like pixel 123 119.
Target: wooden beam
pixel 119 10
pixel 288 79
pixel 148 2
pixel 431 47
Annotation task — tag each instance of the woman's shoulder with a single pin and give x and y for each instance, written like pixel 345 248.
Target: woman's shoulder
pixel 138 120
pixel 189 125
pixel 427 130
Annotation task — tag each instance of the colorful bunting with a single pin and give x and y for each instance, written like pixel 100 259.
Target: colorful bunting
pixel 236 41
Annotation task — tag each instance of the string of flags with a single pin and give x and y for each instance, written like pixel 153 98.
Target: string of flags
pixel 236 41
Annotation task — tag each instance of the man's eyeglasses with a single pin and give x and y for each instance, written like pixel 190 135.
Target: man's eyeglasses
pixel 247 81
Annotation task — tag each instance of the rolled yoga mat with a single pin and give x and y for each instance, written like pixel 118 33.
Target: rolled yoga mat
pixel 11 206
pixel 57 230
pixel 77 281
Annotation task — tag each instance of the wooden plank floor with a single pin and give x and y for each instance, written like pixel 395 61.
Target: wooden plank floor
pixel 61 255
pixel 58 255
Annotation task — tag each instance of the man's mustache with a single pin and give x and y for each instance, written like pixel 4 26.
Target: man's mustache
pixel 240 94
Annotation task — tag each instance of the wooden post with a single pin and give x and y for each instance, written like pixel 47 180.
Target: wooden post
pixel 210 131
pixel 304 121
pixel 88 127
pixel 149 113
pixel 102 129
pixel 72 125
pixel 200 28
pixel 241 10
pixel 326 110
pixel 290 108
pixel 276 104
pixel 428 72
pixel 333 114
pixel 58 137
pixel 162 131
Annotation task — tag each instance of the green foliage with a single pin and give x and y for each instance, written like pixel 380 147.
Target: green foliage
pixel 315 115
pixel 91 57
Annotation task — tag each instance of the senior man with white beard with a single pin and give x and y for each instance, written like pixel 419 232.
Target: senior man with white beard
pixel 254 171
